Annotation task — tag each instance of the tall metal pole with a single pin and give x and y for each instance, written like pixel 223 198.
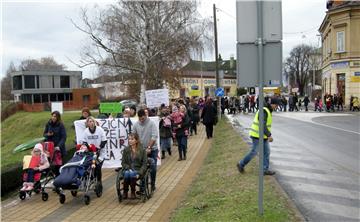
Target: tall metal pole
pixel 216 63
pixel 260 43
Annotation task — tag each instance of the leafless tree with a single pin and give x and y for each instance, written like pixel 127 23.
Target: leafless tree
pixel 147 39
pixel 6 84
pixel 45 63
pixel 298 65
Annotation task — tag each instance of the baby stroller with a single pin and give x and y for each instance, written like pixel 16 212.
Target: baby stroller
pixel 41 178
pixel 144 183
pixel 78 174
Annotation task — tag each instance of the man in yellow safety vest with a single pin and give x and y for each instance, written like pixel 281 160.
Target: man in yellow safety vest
pixel 254 135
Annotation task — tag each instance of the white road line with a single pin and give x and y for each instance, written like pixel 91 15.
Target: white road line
pixel 323 177
pixel 309 116
pixel 334 209
pixel 324 190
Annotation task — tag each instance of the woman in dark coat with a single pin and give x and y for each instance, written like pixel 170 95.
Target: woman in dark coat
pixel 134 163
pixel 55 132
pixel 208 116
pixel 195 117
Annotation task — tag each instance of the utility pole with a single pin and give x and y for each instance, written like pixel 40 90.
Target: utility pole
pixel 218 103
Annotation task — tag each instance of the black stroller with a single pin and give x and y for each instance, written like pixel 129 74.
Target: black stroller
pixel 78 174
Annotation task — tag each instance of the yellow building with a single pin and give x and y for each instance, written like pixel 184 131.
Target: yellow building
pixel 340 32
pixel 198 78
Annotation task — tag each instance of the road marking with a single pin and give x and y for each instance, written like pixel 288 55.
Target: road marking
pixel 324 190
pixel 334 209
pixel 309 116
pixel 316 176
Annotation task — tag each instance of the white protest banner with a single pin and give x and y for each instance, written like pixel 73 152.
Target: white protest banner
pixel 57 106
pixel 156 97
pixel 116 131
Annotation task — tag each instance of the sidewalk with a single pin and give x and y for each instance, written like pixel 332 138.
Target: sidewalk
pixel 170 176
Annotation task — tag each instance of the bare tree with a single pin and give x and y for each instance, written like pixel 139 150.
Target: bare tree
pixel 298 65
pixel 6 84
pixel 148 39
pixel 45 63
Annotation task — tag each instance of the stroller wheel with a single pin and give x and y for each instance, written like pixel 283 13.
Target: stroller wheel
pixel 22 195
pixel 87 199
pixel 62 198
pixel 45 196
pixel 74 193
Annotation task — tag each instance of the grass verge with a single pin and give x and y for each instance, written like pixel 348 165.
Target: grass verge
pixel 24 126
pixel 221 193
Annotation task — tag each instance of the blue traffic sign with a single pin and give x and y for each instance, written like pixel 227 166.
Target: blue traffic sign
pixel 219 92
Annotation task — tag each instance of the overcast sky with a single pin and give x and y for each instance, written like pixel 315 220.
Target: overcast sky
pixel 35 29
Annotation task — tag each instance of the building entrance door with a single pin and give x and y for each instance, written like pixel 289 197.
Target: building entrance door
pixel 340 84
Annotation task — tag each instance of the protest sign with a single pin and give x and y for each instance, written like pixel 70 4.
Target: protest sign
pixel 116 131
pixel 156 97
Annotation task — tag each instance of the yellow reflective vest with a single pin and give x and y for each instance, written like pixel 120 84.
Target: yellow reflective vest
pixel 254 131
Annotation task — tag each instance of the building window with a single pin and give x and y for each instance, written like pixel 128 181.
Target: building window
pixel 37 82
pixel 37 98
pixel 17 83
pixel 44 98
pixel 64 81
pixel 340 41
pixel 29 82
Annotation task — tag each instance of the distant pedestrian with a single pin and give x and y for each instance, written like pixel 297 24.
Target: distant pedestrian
pixel 181 133
pixel 306 103
pixel 254 135
pixel 208 116
pixel 165 131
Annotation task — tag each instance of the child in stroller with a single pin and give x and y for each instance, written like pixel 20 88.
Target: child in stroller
pixel 33 165
pixel 78 173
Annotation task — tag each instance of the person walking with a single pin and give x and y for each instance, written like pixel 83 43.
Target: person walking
pixel 94 134
pixel 195 117
pixel 147 131
pixel 181 134
pixel 55 132
pixel 165 131
pixel 254 135
pixel 208 116
pixel 306 103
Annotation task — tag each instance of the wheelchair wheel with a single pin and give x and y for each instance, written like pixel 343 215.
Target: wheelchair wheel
pixel 74 193
pixel 62 198
pixel 44 196
pixel 22 195
pixel 87 199
pixel 148 190
pixel 118 186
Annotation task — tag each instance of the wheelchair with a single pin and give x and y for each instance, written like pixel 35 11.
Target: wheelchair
pixel 143 184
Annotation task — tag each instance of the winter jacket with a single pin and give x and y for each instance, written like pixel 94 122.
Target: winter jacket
pixel 59 136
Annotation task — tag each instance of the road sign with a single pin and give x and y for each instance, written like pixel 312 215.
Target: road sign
pixel 246 24
pixel 247 65
pixel 219 92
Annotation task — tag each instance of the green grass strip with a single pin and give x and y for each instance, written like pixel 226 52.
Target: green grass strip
pixel 221 193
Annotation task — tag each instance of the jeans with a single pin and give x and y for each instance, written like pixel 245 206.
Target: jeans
pixel 129 174
pixel 252 153
pixel 182 146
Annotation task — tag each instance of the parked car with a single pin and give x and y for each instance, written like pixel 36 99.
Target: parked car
pixel 129 102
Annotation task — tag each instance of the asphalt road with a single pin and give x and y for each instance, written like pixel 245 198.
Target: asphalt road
pixel 317 160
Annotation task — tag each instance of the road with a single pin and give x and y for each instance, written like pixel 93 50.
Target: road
pixel 316 157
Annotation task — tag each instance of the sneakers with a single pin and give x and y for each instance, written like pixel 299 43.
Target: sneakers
pixel 25 185
pixel 269 172
pixel 30 186
pixel 240 168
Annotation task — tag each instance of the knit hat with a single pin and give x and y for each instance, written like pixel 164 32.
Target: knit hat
pixel 175 109
pixel 38 146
